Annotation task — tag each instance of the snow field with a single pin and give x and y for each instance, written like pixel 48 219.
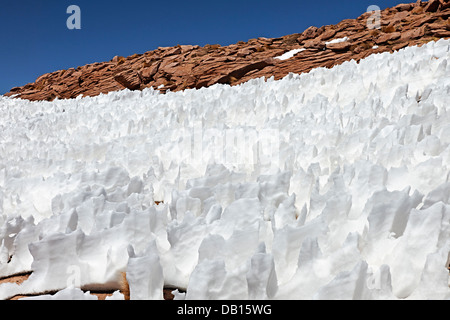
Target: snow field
pixel 327 185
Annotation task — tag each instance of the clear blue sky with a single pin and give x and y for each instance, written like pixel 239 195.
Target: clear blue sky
pixel 35 40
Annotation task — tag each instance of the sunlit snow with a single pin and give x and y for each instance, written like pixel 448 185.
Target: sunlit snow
pixel 327 185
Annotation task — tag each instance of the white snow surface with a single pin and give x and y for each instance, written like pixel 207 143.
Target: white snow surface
pixel 327 185
pixel 289 54
pixel 339 40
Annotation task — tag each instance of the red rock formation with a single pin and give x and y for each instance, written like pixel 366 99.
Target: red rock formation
pixel 185 66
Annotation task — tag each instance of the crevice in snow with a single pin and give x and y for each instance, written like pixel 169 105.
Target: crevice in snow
pixel 337 40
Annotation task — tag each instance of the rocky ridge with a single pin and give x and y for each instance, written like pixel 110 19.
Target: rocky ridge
pixel 188 66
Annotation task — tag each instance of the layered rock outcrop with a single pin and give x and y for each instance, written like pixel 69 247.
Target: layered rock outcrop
pixel 187 66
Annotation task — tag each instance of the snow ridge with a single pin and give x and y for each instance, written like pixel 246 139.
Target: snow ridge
pixel 327 185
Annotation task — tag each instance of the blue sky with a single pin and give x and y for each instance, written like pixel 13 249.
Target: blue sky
pixel 35 40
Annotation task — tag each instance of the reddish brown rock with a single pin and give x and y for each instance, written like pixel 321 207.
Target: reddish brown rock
pixel 441 33
pixel 309 33
pixel 241 71
pixel 148 72
pixel 445 4
pixel 172 51
pixel 328 34
pixel 244 52
pixel 129 79
pixel 388 37
pixel 314 44
pixel 412 34
pixel 404 6
pixel 399 46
